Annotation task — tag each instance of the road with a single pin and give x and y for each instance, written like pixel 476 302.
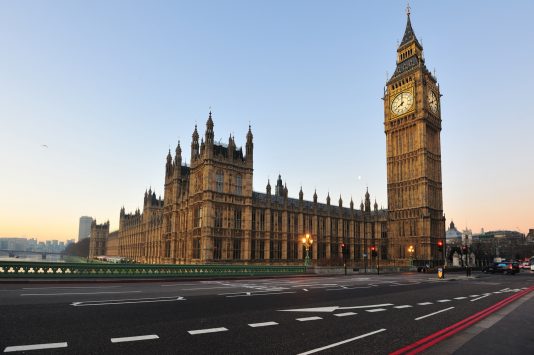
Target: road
pixel 365 314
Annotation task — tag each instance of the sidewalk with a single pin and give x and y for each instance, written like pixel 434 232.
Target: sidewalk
pixel 507 331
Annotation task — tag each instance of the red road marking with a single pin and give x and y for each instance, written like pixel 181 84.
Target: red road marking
pixel 445 333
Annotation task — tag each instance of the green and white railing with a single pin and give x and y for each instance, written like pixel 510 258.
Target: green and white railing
pixel 97 270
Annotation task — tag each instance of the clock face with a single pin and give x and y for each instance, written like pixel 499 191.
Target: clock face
pixel 433 101
pixel 402 103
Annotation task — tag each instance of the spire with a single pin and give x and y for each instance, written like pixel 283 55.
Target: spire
pixel 315 196
pixel 367 201
pixel 328 199
pixel 376 205
pixel 178 156
pixel 409 34
pixel 351 203
pixel 268 187
pixel 249 135
pixel 301 194
pixel 194 145
pixel 168 166
pixel 340 201
pixel 249 146
pixel 209 130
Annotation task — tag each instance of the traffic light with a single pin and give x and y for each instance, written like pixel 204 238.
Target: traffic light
pixel 373 250
pixel 440 245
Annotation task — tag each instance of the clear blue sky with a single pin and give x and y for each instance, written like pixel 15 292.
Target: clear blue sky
pixel 109 86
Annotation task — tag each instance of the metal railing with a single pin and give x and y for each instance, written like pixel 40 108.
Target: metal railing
pixel 78 270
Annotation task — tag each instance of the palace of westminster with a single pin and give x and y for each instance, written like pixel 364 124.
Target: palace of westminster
pixel 211 214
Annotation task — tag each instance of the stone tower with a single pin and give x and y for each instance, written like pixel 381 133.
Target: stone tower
pixel 412 123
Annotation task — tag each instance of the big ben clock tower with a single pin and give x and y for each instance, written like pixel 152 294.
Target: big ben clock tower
pixel 412 122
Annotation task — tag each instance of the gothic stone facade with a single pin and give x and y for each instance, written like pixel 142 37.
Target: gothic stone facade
pixel 210 213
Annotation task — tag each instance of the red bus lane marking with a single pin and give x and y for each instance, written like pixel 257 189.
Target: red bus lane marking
pixel 445 333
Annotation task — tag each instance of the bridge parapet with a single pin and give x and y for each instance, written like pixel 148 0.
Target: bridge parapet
pixel 79 270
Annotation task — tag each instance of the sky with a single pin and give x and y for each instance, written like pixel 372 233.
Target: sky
pixel 94 93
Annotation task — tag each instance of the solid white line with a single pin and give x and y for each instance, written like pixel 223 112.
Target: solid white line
pixel 443 301
pixel 248 294
pixel 460 298
pixel 210 330
pixel 342 342
pixel 308 319
pixel 265 324
pixel 67 287
pixel 403 306
pixel 431 314
pixel 209 288
pixel 137 338
pixel 75 293
pixel 126 301
pixel 424 303
pixel 345 314
pixel 375 310
pixel 35 347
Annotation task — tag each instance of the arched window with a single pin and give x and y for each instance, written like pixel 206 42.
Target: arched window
pixel 238 185
pixel 219 181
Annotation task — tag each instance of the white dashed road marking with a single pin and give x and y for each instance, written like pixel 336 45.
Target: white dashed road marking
pixel 345 314
pixel 474 295
pixel 376 310
pixel 403 306
pixel 460 298
pixel 35 347
pixel 481 297
pixel 307 319
pixel 209 330
pixel 136 338
pixel 431 314
pixel 443 301
pixel 424 303
pixel 264 324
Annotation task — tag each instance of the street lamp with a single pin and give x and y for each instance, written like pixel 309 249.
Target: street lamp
pixel 411 251
pixel 307 242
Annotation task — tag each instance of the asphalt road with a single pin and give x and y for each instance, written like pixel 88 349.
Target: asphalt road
pixel 364 314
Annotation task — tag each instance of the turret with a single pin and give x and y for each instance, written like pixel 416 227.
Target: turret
pixel 315 197
pixel 351 204
pixel 209 132
pixel 231 147
pixel 168 166
pixel 249 146
pixel 279 188
pixel 367 201
pixel 178 158
pixel 376 205
pixel 301 195
pixel 194 145
pixel 268 188
pixel 328 199
pixel 340 202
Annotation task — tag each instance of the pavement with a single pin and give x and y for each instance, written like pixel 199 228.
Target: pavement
pixel 500 333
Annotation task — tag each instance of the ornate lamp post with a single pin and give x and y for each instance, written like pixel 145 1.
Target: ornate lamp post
pixel 411 250
pixel 307 242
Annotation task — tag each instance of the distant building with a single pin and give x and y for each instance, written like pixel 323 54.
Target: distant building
pixel 85 227
pixel 453 233
pixel 99 236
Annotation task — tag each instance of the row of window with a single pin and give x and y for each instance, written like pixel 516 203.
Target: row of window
pixel 237 188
